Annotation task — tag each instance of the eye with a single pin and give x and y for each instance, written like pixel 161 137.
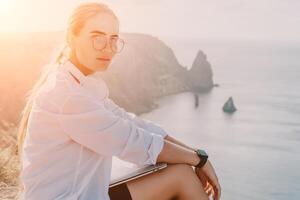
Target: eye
pixel 99 37
pixel 114 39
pixel 99 42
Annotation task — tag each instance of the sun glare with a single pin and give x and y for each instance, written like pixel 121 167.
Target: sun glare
pixel 5 7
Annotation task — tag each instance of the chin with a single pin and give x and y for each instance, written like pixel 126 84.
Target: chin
pixel 101 68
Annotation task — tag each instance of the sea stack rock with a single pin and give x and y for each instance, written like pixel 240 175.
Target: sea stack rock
pixel 200 76
pixel 229 106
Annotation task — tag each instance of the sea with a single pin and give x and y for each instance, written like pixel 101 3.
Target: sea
pixel 255 151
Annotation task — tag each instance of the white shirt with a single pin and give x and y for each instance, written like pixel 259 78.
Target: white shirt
pixel 73 132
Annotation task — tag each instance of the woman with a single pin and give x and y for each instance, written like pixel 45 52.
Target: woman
pixel 70 129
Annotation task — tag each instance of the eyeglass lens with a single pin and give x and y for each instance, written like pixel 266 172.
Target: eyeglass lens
pixel 116 44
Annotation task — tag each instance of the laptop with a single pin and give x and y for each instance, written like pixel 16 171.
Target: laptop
pixel 123 171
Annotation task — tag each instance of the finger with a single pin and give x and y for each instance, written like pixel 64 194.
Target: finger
pixel 207 188
pixel 215 196
pixel 209 192
pixel 214 183
pixel 217 190
pixel 210 181
pixel 208 185
pixel 214 192
pixel 203 179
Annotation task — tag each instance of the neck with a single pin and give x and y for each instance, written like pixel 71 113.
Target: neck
pixel 77 64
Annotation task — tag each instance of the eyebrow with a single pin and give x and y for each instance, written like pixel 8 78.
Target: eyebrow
pixel 102 33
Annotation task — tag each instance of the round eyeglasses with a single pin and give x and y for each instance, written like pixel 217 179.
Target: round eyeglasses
pixel 116 44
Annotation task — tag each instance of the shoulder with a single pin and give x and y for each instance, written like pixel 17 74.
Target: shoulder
pixel 53 88
pixel 60 93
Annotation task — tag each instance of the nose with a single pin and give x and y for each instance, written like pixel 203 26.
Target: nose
pixel 107 49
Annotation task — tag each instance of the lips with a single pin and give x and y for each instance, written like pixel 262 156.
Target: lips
pixel 104 59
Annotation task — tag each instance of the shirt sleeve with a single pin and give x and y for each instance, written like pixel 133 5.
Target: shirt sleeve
pixel 143 123
pixel 89 123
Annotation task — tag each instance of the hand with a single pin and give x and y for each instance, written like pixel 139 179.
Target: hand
pixel 209 180
pixel 204 180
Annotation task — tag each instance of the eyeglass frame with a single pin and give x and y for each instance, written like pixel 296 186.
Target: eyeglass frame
pixel 95 36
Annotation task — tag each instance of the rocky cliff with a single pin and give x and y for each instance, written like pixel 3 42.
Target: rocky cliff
pixel 146 69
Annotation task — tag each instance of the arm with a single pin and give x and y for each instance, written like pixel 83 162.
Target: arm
pixel 90 124
pixel 191 155
pixel 174 153
pixel 143 123
pixel 173 140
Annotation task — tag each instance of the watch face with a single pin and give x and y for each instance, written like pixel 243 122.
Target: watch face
pixel 202 152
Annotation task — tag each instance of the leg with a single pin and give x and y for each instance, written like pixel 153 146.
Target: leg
pixel 177 181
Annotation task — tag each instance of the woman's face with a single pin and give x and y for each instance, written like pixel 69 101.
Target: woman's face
pixel 96 29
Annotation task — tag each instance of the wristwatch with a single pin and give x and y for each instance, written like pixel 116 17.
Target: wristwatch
pixel 203 157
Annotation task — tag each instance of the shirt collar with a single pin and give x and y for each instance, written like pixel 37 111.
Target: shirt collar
pixel 75 71
pixel 94 84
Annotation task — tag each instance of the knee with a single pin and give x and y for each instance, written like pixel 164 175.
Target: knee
pixel 187 182
pixel 182 173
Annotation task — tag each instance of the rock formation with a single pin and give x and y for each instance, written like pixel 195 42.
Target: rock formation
pixel 200 75
pixel 145 70
pixel 229 106
pixel 148 69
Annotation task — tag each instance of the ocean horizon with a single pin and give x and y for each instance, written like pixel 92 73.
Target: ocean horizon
pixel 255 151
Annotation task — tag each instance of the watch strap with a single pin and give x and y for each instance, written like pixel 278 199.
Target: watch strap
pixel 202 161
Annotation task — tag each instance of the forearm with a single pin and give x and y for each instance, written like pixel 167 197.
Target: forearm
pixel 171 139
pixel 174 153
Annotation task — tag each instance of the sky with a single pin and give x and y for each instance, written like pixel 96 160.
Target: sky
pixel 230 19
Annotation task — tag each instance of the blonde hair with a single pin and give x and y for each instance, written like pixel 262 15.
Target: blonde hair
pixel 76 21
